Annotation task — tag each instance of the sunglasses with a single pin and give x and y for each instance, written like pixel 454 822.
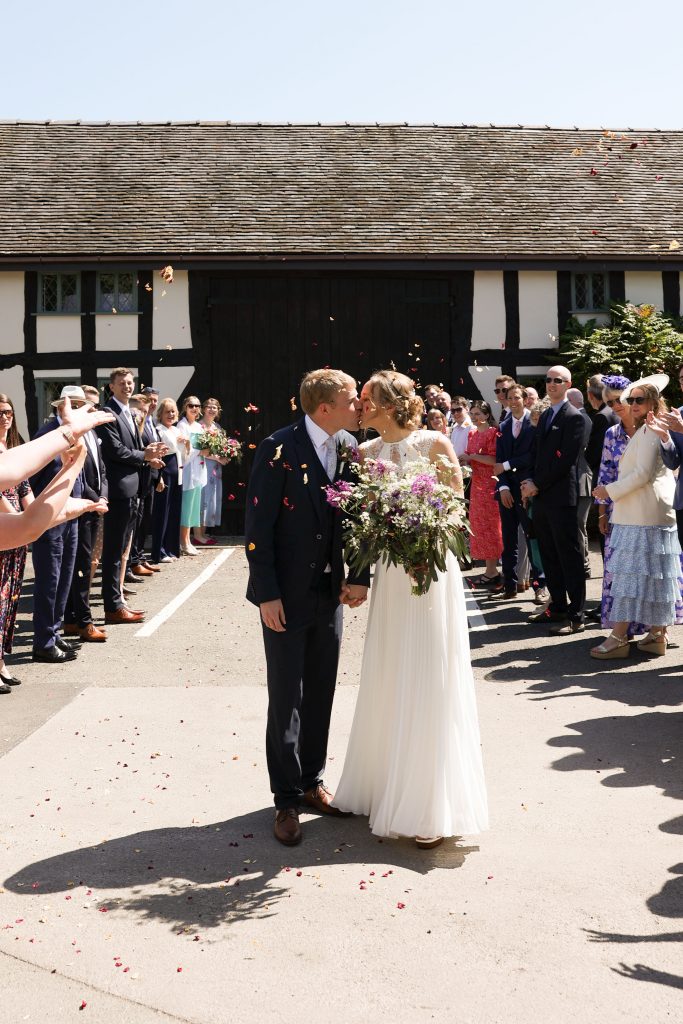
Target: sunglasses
pixel 556 380
pixel 457 408
pixel 500 391
pixel 193 405
pixel 613 401
pixel 6 412
pixel 638 399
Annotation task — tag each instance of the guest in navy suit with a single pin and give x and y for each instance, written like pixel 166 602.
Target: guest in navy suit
pixel 293 542
pixel 54 554
pixel 557 445
pixel 149 478
pixel 78 616
pixel 124 456
pixel 514 463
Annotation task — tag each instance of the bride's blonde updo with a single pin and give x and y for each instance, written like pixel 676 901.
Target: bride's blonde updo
pixel 395 391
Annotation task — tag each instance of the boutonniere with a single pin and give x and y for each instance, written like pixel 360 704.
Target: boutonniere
pixel 348 453
pixel 553 427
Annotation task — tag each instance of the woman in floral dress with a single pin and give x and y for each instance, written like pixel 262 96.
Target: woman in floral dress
pixel 486 541
pixel 13 562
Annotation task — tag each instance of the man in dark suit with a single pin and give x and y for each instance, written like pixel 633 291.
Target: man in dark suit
pixel 54 554
pixel 147 402
pixel 293 542
pixel 124 456
pixel 553 486
pixel 584 479
pixel 514 463
pixel 78 617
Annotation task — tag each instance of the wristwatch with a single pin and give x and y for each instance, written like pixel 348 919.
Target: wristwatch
pixel 69 438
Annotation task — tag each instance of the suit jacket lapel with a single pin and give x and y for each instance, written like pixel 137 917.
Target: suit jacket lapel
pixel 317 477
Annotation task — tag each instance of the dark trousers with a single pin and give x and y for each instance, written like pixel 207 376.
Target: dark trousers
pixel 166 518
pixel 143 525
pixel 53 555
pixel 118 526
pixel 557 532
pixel 78 603
pixel 510 520
pixel 582 509
pixel 302 673
pixel 679 524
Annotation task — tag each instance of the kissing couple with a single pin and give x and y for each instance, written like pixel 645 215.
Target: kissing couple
pixel 413 765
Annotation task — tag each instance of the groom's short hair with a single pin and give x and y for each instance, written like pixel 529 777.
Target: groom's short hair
pixel 320 386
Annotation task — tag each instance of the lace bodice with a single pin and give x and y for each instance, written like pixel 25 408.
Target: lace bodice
pixel 417 445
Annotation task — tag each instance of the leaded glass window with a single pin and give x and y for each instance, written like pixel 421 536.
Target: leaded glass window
pixel 117 292
pixel 590 292
pixel 59 293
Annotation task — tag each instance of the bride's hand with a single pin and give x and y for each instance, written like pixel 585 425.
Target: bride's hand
pixel 353 595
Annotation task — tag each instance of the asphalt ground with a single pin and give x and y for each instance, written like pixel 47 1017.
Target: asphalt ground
pixel 139 873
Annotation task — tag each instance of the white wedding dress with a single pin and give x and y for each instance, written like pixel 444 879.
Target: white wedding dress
pixel 414 763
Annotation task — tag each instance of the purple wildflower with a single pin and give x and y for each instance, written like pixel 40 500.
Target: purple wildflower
pixel 336 492
pixel 422 485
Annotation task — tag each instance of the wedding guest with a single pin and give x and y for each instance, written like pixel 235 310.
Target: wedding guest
pixel 54 555
pixel 92 395
pixel 462 424
pixel 443 402
pixel 500 389
pixel 13 561
pixel 194 474
pixel 531 396
pixel 212 492
pixel 78 619
pixel 436 420
pixel 169 489
pixel 558 442
pixel 614 446
pixel 584 479
pixel 140 565
pixel 431 393
pixel 537 409
pixel 486 541
pixel 645 556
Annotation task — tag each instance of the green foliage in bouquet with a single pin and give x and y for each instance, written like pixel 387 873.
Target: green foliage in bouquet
pixel 219 445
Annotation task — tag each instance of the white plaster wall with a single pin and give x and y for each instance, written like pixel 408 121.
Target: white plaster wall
pixel 537 309
pixel 171 319
pixel 11 312
pixel 58 333
pixel 116 332
pixel 12 383
pixel 484 378
pixel 172 380
pixel 488 313
pixel 644 286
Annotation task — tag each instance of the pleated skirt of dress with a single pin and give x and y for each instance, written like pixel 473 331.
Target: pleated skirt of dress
pixel 645 566
pixel 414 761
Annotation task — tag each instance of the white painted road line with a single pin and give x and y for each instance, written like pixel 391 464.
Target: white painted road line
pixel 173 606
pixel 475 619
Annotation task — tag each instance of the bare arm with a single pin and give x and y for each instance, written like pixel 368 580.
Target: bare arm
pixel 52 506
pixel 26 460
pixel 443 449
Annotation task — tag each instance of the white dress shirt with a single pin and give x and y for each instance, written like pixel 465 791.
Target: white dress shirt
pixel 459 435
pixel 319 440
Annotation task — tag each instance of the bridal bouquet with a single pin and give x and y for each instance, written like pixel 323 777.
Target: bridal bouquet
pixel 218 444
pixel 412 520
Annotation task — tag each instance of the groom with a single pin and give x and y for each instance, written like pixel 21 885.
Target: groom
pixel 293 541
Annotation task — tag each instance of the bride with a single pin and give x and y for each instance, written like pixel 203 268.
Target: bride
pixel 413 763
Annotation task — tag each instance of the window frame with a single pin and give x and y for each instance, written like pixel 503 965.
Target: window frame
pixel 100 311
pixel 591 307
pixel 59 274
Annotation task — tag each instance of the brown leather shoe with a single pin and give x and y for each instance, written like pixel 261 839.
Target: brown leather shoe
pixel 140 570
pixel 287 829
pixel 320 800
pixel 123 615
pixel 151 567
pixel 70 629
pixel 91 634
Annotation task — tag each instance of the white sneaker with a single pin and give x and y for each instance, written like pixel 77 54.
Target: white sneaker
pixel 189 550
pixel 167 558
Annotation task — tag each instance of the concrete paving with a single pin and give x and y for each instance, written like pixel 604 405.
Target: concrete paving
pixel 140 877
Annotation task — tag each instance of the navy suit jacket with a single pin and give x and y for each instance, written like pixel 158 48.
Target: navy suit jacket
pixel 290 530
pixel 556 453
pixel 123 455
pixel 92 487
pixel 42 478
pixel 673 460
pixel 518 451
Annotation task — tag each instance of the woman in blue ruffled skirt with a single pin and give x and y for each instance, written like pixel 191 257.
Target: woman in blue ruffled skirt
pixel 645 553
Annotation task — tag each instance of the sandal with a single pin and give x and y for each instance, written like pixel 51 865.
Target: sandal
pixel 428 842
pixel 654 643
pixel 621 650
pixel 486 581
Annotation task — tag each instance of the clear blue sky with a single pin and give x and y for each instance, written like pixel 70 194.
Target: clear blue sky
pixel 612 63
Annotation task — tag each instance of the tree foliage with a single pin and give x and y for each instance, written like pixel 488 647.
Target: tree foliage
pixel 638 341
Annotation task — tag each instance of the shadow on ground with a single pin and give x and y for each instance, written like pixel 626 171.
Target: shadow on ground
pixel 224 872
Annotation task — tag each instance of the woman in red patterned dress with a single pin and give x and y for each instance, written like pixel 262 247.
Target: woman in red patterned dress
pixel 13 562
pixel 486 541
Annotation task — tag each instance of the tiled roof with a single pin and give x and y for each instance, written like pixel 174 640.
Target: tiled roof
pixel 229 189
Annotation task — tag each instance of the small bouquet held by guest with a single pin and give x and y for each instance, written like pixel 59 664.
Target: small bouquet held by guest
pixel 219 445
pixel 412 520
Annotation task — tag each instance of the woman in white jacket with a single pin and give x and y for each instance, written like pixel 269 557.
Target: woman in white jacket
pixel 645 560
pixel 194 474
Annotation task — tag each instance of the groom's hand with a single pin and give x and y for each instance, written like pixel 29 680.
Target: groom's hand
pixel 273 615
pixel 353 595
